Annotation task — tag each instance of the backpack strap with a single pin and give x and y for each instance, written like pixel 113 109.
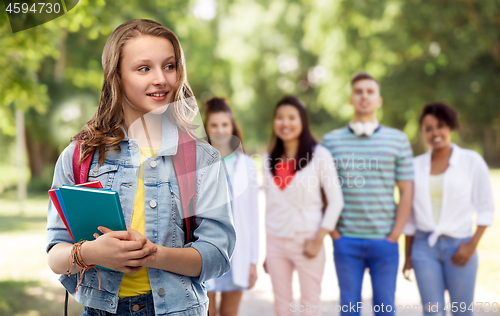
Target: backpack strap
pixel 185 169
pixel 81 171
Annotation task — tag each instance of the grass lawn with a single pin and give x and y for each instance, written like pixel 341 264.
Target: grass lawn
pixel 27 286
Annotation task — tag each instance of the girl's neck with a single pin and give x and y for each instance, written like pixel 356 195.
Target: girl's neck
pixel 442 153
pixel 291 147
pixel 225 150
pixel 145 129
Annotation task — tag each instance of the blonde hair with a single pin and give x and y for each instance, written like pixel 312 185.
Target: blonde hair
pixel 103 131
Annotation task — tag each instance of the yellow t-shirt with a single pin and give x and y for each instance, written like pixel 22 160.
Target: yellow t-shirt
pixel 138 283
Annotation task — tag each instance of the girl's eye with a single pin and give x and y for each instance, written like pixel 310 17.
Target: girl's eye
pixel 143 69
pixel 169 67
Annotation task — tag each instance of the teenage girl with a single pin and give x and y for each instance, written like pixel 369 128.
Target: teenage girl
pixel 155 272
pixel 296 170
pixel 451 185
pixel 225 136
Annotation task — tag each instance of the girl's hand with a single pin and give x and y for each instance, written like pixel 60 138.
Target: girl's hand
pixel 149 244
pixel 312 247
pixel 118 250
pixel 252 276
pixel 407 268
pixel 464 253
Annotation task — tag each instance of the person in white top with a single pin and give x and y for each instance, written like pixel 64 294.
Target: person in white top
pixel 451 184
pixel 225 136
pixel 295 172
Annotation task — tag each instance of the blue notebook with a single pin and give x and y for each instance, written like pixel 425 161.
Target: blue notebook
pixel 63 208
pixel 88 208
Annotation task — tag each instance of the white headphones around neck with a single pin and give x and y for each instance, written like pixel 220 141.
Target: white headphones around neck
pixel 367 128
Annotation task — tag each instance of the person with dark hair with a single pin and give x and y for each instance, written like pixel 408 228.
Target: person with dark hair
pixel 225 136
pixel 451 184
pixel 296 170
pixel 371 160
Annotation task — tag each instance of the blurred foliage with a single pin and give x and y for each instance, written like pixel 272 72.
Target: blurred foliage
pixel 432 51
pixel 254 51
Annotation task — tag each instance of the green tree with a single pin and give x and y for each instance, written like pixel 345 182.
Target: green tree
pixel 426 51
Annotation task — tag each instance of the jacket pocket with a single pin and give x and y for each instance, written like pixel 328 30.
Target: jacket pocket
pixel 105 173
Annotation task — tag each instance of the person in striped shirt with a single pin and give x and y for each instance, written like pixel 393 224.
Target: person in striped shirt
pixel 371 160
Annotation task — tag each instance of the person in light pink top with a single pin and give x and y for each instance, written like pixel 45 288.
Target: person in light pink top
pixel 296 171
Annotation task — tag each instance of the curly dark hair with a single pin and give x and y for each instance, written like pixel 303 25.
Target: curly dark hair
pixel 443 112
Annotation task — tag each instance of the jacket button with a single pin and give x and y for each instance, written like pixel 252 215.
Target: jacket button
pixel 95 169
pixel 161 292
pixel 153 164
pixel 135 308
pixel 152 203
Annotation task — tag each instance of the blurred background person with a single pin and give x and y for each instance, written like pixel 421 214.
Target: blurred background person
pixel 296 171
pixel 373 159
pixel 225 136
pixel 451 184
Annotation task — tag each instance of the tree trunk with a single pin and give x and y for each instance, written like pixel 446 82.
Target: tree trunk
pixel 36 156
pixel 21 166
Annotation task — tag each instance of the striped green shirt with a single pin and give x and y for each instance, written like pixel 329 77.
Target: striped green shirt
pixel 368 168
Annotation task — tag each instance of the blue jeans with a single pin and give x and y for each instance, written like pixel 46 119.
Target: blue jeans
pixel 435 274
pixel 141 305
pixel 352 256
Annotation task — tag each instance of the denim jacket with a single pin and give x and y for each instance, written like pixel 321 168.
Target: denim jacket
pixel 215 236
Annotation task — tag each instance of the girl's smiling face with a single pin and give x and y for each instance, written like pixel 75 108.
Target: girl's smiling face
pixel 287 123
pixel 436 133
pixel 149 75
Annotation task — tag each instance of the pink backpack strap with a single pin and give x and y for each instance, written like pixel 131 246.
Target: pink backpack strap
pixel 81 171
pixel 185 169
